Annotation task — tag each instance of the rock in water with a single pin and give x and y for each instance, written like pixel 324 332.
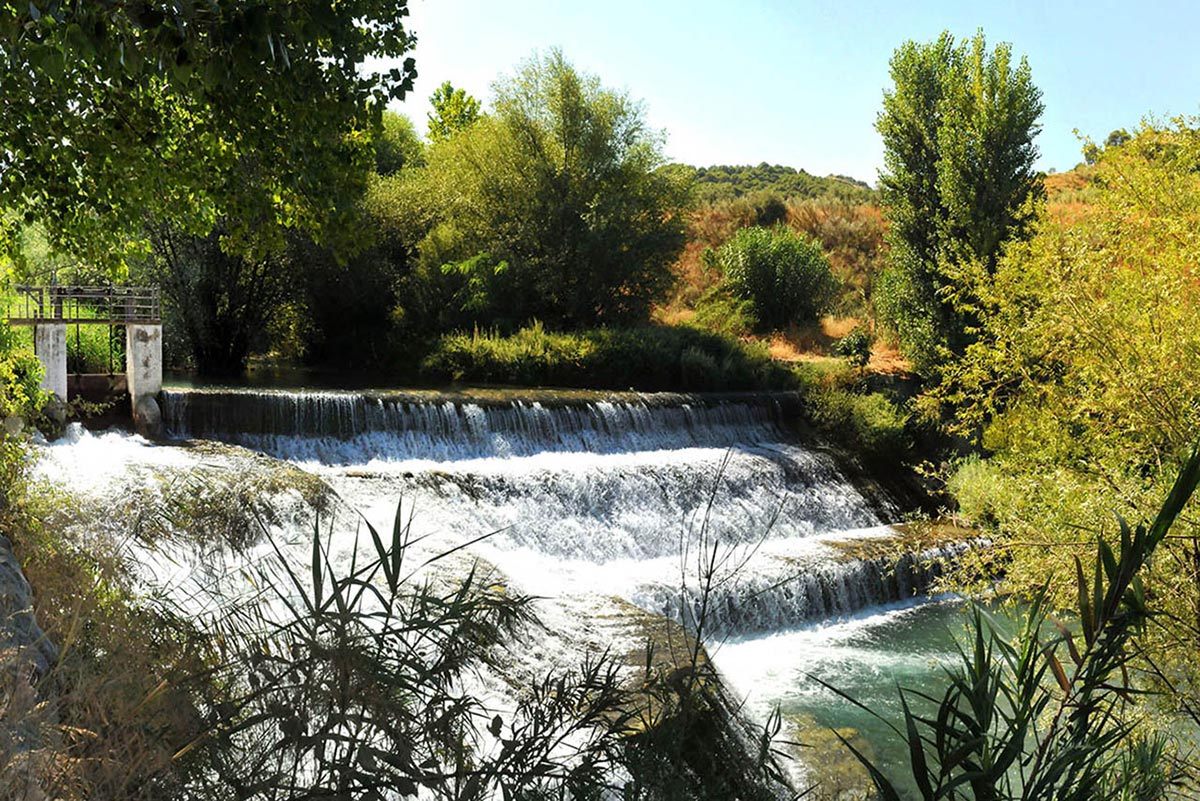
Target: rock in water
pixel 147 418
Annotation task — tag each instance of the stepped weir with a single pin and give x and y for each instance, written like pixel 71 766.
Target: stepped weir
pixel 50 309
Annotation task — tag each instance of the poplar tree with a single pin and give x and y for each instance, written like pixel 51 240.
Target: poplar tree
pixel 958 129
pixel 453 110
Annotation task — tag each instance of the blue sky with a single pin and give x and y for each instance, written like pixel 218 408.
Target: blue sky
pixel 800 83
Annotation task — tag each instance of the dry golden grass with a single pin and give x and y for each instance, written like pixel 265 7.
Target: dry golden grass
pixel 1070 213
pixel 811 342
pixel 1070 181
pixel 887 360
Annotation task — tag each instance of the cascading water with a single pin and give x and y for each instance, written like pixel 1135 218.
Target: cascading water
pixel 338 427
pixel 594 494
pixel 592 502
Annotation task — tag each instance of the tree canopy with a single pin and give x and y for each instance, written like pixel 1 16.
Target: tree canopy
pixel 1084 384
pixel 113 112
pixel 398 145
pixel 958 129
pixel 723 182
pixel 453 110
pixel 550 208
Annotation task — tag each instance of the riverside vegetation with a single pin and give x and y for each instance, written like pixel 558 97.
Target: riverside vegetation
pixel 546 241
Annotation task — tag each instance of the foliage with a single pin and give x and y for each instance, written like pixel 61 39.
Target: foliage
pixel 958 128
pixel 354 689
pixel 221 302
pixel 95 349
pixel 855 347
pixel 20 376
pixel 453 110
pixel 344 302
pixel 785 277
pixel 397 145
pixel 1045 717
pixel 719 311
pixel 125 122
pixel 558 184
pixel 870 425
pixel 646 358
pixel 1084 385
pixel 727 182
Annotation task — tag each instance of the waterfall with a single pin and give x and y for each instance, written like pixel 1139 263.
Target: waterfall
pixel 780 596
pixel 353 427
pixel 596 504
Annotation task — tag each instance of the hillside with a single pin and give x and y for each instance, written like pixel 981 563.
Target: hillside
pixel 724 182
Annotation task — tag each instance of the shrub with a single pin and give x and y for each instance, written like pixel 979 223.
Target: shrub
pixel 722 313
pixel 786 277
pixel 855 347
pixel 1049 714
pixel 871 424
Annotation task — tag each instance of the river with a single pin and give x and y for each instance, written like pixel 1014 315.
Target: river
pixel 598 503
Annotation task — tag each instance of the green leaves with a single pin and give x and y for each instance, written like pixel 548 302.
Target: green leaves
pixel 453 110
pixel 785 276
pixel 141 110
pixel 1016 721
pixel 559 183
pixel 958 129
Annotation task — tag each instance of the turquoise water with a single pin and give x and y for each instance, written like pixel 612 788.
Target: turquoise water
pixel 866 656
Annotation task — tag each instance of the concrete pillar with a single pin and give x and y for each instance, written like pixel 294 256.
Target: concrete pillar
pixel 50 345
pixel 143 374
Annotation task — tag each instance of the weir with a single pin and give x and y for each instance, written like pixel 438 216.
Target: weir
pixel 601 506
pixel 50 309
pixel 349 426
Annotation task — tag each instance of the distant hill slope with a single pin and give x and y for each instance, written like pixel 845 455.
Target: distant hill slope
pixel 724 182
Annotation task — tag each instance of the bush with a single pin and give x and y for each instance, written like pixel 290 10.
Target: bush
pixel 786 277
pixel 722 313
pixel 645 358
pixel 855 347
pixel 870 425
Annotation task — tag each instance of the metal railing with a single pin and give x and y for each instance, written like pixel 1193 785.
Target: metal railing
pixel 103 305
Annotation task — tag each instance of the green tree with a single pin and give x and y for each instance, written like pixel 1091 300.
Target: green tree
pixel 1084 385
pixel 1117 137
pixel 958 129
pixel 150 108
pixel 453 110
pixel 551 208
pixel 785 276
pixel 219 302
pixel 398 145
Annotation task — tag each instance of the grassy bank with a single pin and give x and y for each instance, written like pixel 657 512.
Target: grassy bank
pixel 838 402
pixel 647 358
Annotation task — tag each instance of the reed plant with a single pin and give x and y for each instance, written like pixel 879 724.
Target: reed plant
pixel 1051 715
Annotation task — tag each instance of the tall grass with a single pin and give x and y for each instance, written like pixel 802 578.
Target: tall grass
pixel 647 358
